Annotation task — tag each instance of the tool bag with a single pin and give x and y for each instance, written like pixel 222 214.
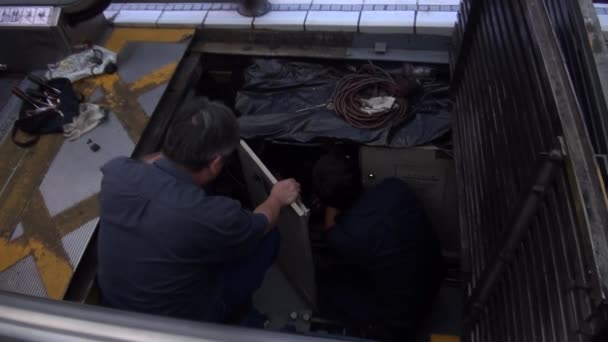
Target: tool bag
pixel 51 121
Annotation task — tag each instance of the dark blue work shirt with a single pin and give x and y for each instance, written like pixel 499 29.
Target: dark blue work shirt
pixel 391 260
pixel 163 240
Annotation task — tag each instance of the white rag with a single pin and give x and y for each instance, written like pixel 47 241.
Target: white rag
pixel 378 104
pixel 90 116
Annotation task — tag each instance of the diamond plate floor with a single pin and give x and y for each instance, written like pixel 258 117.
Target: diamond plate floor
pixel 23 276
pixel 135 62
pixel 74 174
pixel 73 242
pixel 48 193
pixel 149 100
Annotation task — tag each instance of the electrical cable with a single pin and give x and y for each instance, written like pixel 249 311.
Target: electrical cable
pixel 428 97
pixel 96 59
pixel 369 82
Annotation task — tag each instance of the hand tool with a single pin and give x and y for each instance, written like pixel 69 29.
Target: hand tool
pixel 43 84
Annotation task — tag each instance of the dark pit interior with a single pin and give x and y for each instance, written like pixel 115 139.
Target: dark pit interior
pixel 222 79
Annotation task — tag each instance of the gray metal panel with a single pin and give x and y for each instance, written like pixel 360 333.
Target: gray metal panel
pixel 74 174
pixel 25 318
pixel 277 298
pixel 149 100
pixel 75 242
pixel 135 62
pixel 23 277
pixel 45 45
pixel 295 255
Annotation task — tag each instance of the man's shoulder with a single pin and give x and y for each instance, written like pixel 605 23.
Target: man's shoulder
pixel 119 164
pixel 124 176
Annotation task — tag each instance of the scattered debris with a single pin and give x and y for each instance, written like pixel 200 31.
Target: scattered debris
pixel 94 147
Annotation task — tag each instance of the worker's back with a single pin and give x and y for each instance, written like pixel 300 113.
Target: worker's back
pixel 163 241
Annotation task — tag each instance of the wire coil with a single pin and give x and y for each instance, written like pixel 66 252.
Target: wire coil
pixel 371 81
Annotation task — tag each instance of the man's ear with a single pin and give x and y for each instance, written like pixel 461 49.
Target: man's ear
pixel 216 165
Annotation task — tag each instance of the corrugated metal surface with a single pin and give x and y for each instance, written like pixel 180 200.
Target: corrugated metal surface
pixel 76 241
pixel 576 44
pixel 513 106
pixel 23 277
pixel 74 174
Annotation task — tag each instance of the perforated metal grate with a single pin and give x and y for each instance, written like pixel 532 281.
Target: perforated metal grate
pixel 23 276
pixel 75 242
pixel 74 174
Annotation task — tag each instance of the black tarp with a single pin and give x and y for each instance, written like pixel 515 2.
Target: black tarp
pixel 275 90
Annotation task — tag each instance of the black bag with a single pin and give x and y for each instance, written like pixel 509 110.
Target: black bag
pixel 51 121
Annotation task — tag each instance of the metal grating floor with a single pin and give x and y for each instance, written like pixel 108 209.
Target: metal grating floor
pixel 48 193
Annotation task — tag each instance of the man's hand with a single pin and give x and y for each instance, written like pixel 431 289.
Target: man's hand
pixel 282 194
pixel 286 191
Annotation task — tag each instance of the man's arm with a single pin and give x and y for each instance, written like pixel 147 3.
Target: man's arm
pixel 283 194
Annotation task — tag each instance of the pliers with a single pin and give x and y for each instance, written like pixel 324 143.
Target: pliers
pixel 43 84
pixel 41 105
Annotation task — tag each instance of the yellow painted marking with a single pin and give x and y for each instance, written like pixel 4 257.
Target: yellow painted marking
pixel 107 82
pixel 54 270
pixel 444 338
pixel 31 165
pixel 155 78
pixel 121 36
pixel 122 98
pixel 27 176
pixel 74 217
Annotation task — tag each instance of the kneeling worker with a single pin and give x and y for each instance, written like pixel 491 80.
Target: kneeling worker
pixel 387 263
pixel 168 247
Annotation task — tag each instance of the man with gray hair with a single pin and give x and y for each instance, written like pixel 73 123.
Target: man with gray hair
pixel 168 247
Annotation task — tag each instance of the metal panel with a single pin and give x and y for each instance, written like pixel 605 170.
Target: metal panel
pixel 150 100
pixel 534 241
pixel 74 174
pixel 24 318
pixel 295 255
pixel 75 242
pixel 23 277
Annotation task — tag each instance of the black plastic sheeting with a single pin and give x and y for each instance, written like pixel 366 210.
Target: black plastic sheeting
pixel 276 92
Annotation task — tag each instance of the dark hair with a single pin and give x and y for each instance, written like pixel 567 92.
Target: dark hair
pixel 336 180
pixel 201 131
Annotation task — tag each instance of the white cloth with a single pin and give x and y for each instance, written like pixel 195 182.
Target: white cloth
pixel 82 64
pixel 378 104
pixel 90 116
